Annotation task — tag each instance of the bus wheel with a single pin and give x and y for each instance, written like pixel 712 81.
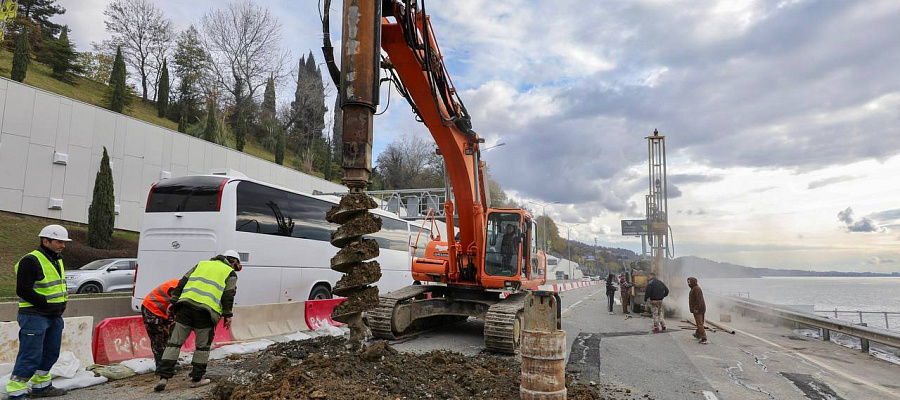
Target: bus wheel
pixel 320 292
pixel 89 288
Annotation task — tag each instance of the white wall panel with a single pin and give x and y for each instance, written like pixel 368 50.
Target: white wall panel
pixel 132 175
pixel 13 156
pixel 38 170
pixel 2 100
pixel 78 171
pixel 153 145
pixel 63 125
pixel 118 149
pixel 75 208
pixel 181 149
pixel 17 117
pixel 168 138
pixel 134 137
pixel 35 206
pixel 196 154
pixel 130 214
pixel 81 129
pixel 11 200
pixel 45 119
pixel 104 132
pixel 57 181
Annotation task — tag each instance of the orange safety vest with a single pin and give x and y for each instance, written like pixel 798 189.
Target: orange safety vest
pixel 158 300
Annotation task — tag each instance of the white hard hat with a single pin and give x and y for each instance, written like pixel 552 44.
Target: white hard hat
pixel 55 232
pixel 232 254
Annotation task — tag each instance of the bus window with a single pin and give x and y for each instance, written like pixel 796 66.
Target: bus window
pixel 270 211
pixel 424 238
pixel 186 194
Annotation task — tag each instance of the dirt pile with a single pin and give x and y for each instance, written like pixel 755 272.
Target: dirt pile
pixel 321 368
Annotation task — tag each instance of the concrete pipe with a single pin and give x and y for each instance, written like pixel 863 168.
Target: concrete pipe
pixel 543 365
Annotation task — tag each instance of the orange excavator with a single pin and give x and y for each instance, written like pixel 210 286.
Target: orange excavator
pixel 489 258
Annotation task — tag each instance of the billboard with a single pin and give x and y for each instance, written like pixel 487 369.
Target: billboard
pixel 635 227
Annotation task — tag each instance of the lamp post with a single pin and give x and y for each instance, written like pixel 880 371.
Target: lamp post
pixel 569 249
pixel 544 213
pixel 494 146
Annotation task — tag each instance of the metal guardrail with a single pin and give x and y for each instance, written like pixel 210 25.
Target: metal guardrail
pixel 886 314
pixel 865 334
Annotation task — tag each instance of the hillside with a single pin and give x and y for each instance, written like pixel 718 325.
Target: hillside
pixel 92 92
pixel 702 267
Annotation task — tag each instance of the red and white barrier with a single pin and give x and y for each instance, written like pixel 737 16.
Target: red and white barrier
pixel 124 338
pixel 318 313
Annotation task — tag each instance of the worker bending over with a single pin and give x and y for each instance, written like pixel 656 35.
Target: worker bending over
pixel 157 321
pixel 203 296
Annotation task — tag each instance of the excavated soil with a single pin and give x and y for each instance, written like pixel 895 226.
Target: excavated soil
pixel 322 368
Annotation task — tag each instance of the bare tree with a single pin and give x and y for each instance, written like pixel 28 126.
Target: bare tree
pixel 410 162
pixel 145 34
pixel 243 41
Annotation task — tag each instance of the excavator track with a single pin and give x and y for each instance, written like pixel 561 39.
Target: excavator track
pixel 381 318
pixel 503 324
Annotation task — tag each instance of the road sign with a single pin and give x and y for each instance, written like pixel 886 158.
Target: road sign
pixel 635 227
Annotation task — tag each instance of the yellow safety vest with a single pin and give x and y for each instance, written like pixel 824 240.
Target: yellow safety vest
pixel 207 283
pixel 53 286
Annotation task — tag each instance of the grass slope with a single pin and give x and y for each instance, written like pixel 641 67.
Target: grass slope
pixel 18 236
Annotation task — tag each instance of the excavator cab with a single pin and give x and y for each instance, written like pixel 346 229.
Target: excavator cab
pixel 503 252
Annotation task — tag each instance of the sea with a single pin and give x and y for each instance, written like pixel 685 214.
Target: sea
pixel 824 294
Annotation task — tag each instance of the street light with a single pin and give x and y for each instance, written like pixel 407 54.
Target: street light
pixel 494 146
pixel 569 249
pixel 543 208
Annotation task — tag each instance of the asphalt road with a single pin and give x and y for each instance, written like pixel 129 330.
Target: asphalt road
pixel 760 362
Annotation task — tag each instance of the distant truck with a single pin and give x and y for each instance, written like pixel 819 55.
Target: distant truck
pixel 561 275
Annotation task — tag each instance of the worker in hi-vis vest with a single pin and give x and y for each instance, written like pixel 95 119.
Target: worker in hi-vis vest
pixel 157 321
pixel 203 296
pixel 41 287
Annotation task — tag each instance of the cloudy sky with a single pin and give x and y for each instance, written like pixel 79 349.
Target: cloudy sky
pixel 781 117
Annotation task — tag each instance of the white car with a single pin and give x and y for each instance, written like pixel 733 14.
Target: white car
pixel 102 276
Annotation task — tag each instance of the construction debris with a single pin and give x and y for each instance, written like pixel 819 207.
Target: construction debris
pixel 323 368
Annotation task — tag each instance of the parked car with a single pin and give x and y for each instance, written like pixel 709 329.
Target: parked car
pixel 102 276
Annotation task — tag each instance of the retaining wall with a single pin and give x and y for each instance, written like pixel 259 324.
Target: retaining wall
pixel 50 150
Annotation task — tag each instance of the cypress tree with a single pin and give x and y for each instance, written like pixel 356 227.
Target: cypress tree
pixel 102 212
pixel 162 91
pixel 209 133
pixel 117 90
pixel 279 146
pixel 22 57
pixel 268 104
pixel 62 57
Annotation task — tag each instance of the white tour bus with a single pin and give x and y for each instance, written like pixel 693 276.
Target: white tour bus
pixel 281 235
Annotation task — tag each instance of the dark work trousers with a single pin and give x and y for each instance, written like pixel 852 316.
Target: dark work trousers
pixel 158 329
pixel 39 341
pixel 611 297
pixel 189 319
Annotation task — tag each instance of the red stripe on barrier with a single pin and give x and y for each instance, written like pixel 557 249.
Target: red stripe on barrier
pixel 124 338
pixel 318 313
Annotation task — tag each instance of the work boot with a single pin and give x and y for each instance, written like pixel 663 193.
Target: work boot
pixel 696 336
pixel 201 382
pixel 49 391
pixel 664 327
pixel 161 385
pixel 703 341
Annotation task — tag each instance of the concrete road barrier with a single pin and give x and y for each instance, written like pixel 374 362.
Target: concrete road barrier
pixel 76 338
pixel 98 307
pixel 264 320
